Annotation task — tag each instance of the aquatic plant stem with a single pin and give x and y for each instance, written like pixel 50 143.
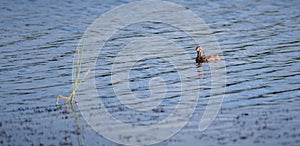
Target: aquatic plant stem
pixel 79 61
pixel 76 120
pixel 77 85
pixel 64 97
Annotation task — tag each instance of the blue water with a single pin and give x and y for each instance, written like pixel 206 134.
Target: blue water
pixel 260 43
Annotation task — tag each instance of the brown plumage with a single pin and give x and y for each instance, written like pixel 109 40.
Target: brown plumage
pixel 202 58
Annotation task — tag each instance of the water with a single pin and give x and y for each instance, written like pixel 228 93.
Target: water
pixel 260 43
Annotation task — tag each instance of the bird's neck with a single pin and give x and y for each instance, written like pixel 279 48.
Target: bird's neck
pixel 199 53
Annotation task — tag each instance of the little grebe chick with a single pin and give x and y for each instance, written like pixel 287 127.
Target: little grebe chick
pixel 202 58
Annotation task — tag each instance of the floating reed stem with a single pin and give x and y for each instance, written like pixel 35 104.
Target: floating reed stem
pixel 71 98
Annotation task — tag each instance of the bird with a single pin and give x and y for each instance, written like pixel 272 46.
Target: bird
pixel 205 58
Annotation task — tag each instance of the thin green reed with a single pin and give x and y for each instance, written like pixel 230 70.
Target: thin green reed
pixel 77 82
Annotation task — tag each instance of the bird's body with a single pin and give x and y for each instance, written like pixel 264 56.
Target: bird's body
pixel 209 58
pixel 205 58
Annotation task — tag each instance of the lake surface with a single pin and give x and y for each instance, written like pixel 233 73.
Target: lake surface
pixel 260 46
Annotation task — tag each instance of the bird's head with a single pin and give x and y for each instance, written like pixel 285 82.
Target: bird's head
pixel 199 50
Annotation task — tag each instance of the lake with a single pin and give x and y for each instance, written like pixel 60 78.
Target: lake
pixel 258 43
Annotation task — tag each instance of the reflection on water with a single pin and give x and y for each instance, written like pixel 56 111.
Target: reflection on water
pixel 259 40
